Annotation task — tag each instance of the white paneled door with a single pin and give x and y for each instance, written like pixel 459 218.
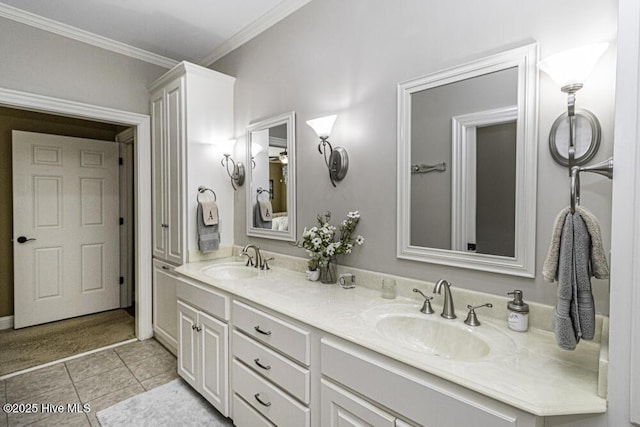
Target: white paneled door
pixel 65 227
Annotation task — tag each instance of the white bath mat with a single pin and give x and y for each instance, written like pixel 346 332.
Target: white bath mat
pixel 172 404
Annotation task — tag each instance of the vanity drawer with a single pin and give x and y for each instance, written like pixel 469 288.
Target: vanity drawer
pixel 426 399
pixel 268 400
pixel 282 371
pixel 277 333
pixel 245 416
pixel 205 298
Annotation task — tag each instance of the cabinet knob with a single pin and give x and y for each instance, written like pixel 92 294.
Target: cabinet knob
pixel 261 331
pixel 262 402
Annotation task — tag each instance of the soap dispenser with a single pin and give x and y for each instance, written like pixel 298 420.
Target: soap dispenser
pixel 518 318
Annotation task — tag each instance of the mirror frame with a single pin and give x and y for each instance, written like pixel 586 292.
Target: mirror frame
pixel 290 120
pixel 523 262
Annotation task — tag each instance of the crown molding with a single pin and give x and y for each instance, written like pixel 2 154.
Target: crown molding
pixel 68 31
pixel 263 23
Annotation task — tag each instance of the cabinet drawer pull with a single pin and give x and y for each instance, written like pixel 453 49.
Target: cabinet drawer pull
pixel 164 267
pixel 258 329
pixel 262 402
pixel 198 328
pixel 261 365
pixel 193 327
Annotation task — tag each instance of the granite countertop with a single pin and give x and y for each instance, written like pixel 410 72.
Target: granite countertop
pixel 525 370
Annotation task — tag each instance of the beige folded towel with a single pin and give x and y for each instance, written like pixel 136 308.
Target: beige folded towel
pixel 209 212
pixel 598 259
pixel 266 211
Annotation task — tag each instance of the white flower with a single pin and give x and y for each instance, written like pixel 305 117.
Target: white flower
pixel 316 242
pixel 353 215
pixel 359 240
pixel 331 250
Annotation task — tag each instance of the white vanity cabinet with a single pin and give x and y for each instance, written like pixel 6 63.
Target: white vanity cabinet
pixel 271 376
pixel 386 387
pixel 203 337
pixel 191 107
pixel 165 328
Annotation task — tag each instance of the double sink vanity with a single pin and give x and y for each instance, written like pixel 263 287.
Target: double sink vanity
pixel 268 347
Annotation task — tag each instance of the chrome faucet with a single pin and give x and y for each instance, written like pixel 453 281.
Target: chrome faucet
pixel 448 312
pixel 258 256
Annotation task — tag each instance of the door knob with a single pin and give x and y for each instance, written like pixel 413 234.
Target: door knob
pixel 23 239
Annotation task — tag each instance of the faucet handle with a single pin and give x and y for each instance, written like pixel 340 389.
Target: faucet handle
pixel 426 306
pixel 249 259
pixel 472 319
pixel 265 265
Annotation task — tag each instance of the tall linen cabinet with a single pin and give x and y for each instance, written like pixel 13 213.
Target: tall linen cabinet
pixel 191 112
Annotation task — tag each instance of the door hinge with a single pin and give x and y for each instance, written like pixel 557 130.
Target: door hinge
pixel 121 220
pixel 121 280
pixel 121 161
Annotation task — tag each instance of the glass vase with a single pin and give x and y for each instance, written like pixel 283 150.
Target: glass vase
pixel 329 273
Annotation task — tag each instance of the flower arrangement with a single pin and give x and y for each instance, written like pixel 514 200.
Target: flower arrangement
pixel 320 241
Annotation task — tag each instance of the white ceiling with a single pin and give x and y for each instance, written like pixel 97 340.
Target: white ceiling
pixel 197 31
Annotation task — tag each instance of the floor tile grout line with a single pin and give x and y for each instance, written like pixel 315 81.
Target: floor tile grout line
pixel 64 360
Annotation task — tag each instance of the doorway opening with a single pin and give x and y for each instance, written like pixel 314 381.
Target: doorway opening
pixel 138 125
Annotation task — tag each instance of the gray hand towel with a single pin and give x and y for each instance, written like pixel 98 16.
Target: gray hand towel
pixel 574 316
pixel 565 314
pixel 584 298
pixel 208 235
pixel 599 265
pixel 257 218
pixel 598 258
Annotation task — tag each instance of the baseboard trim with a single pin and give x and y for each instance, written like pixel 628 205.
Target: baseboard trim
pixel 6 322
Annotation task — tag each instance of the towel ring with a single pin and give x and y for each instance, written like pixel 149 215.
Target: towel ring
pixel 604 168
pixel 203 189
pixel 260 191
pixel 575 188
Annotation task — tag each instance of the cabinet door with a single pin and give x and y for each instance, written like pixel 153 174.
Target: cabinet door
pixel 188 344
pixel 343 409
pixel 174 170
pixel 214 377
pixel 165 325
pixel 158 179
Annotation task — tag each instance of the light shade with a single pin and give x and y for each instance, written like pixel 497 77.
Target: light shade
pixel 323 125
pixel 573 66
pixel 226 147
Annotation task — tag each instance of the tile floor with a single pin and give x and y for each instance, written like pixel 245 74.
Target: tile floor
pixel 99 380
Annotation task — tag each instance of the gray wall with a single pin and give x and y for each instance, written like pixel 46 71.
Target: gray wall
pixel 44 63
pixel 346 57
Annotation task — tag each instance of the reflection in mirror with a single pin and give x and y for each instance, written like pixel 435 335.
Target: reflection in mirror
pixel 467 164
pixel 271 191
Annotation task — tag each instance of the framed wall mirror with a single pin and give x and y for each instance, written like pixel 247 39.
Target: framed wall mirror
pixel 467 162
pixel 271 172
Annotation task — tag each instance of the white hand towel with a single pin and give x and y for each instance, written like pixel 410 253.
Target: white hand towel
pixel 209 212
pixel 266 211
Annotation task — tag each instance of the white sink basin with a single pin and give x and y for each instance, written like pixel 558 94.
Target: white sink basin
pixel 230 271
pixel 433 335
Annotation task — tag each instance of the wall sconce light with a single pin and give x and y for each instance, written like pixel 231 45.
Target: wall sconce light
pixel 235 170
pixel 575 135
pixel 336 158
